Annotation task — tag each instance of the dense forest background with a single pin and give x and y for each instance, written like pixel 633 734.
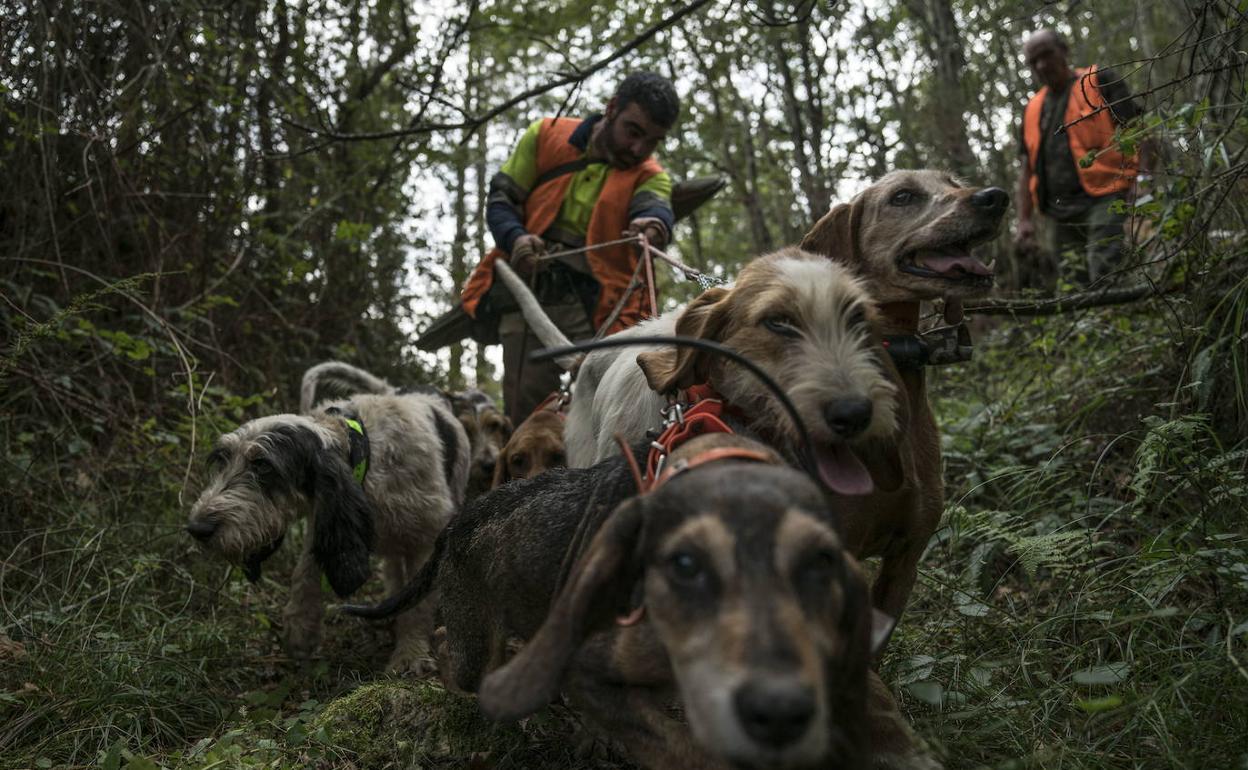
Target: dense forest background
pixel 202 199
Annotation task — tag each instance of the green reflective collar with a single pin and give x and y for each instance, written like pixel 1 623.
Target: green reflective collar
pixel 357 437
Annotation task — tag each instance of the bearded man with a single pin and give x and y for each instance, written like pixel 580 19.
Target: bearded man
pixel 576 186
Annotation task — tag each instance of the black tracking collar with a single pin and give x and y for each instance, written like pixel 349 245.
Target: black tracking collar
pixel 944 345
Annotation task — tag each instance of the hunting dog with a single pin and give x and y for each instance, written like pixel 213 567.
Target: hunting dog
pixel 535 447
pixel 488 429
pixel 379 473
pixel 909 237
pixel 806 320
pixel 756 622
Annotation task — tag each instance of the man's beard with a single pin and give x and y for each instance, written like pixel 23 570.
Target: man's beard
pixel 615 156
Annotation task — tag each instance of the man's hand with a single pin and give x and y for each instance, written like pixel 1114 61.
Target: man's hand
pixel 524 253
pixel 654 230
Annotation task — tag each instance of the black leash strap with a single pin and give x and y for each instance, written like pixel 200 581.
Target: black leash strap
pixel 571 167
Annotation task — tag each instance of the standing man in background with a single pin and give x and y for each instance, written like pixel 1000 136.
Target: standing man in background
pixel 569 184
pixel 1072 172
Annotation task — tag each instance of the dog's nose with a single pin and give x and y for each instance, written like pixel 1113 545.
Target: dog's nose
pixel 774 713
pixel 847 417
pixel 201 530
pixel 992 199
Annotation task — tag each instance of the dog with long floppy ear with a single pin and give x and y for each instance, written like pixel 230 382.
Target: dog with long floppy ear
pixel 771 672
pixel 379 474
pixel 599 591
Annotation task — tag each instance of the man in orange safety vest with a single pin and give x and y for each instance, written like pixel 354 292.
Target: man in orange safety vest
pixel 569 185
pixel 1073 170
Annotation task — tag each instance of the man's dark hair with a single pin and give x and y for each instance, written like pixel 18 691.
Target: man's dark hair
pixel 655 93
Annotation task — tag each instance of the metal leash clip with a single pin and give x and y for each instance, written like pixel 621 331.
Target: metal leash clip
pixel 674 412
pixel 565 390
pixel 662 459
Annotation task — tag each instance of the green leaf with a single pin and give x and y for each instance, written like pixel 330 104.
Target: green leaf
pixel 112 760
pixel 1111 673
pixel 974 609
pixel 931 693
pixel 1097 705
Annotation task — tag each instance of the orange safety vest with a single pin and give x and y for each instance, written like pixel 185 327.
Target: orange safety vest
pixel 612 266
pixel 1110 171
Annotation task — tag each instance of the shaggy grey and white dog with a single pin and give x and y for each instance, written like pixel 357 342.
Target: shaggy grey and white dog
pixel 488 428
pixel 388 487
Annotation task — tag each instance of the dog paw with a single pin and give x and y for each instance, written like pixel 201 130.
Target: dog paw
pixel 301 641
pixel 413 666
pixel 416 660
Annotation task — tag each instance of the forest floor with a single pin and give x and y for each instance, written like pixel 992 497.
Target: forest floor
pixel 1083 605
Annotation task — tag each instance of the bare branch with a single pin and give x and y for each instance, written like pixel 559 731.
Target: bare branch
pixel 473 123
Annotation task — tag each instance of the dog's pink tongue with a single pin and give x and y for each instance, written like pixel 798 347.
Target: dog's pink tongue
pixel 842 471
pixel 947 263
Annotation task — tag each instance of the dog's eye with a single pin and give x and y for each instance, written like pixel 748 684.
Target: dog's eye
pixel 857 317
pixel 818 569
pixel 903 198
pixel 685 567
pixel 217 458
pixel 782 325
pixel 264 469
pixel 518 461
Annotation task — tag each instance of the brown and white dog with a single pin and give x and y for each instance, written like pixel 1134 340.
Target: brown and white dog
pixel 806 320
pixel 534 447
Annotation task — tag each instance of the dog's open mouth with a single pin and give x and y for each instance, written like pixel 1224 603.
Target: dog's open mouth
pixel 951 262
pixel 842 471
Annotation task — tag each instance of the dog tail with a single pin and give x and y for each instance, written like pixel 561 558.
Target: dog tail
pixel 342 377
pixel 412 593
pixel 543 328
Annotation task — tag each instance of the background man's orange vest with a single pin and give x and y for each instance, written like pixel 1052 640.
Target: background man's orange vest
pixel 612 266
pixel 1110 171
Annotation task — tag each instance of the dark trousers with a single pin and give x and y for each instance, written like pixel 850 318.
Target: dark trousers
pixel 1094 237
pixel 526 383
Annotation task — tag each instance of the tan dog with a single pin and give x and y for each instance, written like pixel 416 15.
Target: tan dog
pixel 535 447
pixel 488 431
pixel 909 236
